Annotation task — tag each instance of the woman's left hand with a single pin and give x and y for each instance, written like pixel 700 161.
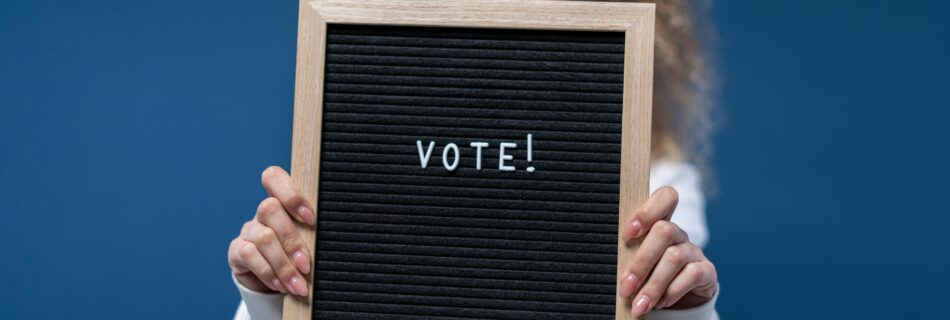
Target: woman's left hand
pixel 678 275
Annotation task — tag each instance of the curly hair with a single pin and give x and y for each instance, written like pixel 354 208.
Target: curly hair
pixel 682 83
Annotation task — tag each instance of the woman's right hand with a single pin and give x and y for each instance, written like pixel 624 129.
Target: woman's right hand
pixel 269 255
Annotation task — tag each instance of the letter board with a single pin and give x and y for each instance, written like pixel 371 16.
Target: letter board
pixel 470 159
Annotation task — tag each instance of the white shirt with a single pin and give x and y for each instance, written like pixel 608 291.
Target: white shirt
pixel 689 215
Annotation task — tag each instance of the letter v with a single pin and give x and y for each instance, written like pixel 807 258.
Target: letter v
pixel 424 158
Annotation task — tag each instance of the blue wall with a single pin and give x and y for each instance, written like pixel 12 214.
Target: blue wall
pixel 834 159
pixel 132 135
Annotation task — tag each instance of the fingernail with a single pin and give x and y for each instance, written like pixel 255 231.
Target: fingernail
pixel 300 287
pixel 302 262
pixel 278 286
pixel 635 228
pixel 306 214
pixel 290 288
pixel 628 284
pixel 641 306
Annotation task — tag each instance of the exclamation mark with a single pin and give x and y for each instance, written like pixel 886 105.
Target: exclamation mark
pixel 530 158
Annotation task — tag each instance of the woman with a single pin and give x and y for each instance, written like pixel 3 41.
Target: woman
pixel 268 258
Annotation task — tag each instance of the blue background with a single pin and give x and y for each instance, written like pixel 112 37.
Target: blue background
pixel 132 136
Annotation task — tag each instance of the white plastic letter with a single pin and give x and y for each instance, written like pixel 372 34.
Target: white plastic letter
pixel 478 153
pixel 424 157
pixel 445 157
pixel 502 156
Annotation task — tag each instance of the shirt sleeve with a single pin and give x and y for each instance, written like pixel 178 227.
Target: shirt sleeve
pixel 706 311
pixel 258 305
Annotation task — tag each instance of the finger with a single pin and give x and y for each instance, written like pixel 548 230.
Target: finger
pixel 658 207
pixel 673 260
pixel 234 257
pixel 248 258
pixel 271 214
pixel 695 275
pixel 279 185
pixel 267 243
pixel 663 235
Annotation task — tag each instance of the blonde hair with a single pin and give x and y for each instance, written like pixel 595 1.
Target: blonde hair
pixel 682 83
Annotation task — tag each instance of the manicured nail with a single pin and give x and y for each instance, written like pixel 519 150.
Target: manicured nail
pixel 276 283
pixel 300 288
pixel 306 214
pixel 302 262
pixel 641 306
pixel 633 229
pixel 290 288
pixel 628 284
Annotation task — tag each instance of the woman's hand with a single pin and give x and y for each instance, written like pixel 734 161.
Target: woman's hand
pixel 269 255
pixel 676 271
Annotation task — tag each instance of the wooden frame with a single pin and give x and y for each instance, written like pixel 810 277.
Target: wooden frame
pixel 636 20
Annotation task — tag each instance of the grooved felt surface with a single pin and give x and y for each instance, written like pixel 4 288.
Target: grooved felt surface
pixel 395 241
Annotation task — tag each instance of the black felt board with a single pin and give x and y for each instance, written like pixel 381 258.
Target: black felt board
pixel 395 241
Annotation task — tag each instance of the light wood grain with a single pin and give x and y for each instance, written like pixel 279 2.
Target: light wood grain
pixel 535 14
pixel 636 20
pixel 635 139
pixel 308 121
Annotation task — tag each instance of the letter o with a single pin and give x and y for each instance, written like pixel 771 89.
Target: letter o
pixel 445 157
